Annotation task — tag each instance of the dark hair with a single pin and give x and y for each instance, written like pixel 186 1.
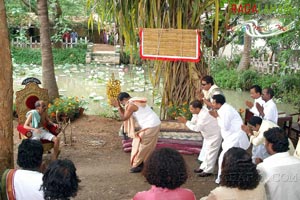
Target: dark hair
pixel 60 180
pixel 196 104
pixel 165 168
pixel 208 79
pixel 30 154
pixel 257 88
pixel 270 92
pixel 278 138
pixel 255 120
pixel 123 95
pixel 219 98
pixel 238 170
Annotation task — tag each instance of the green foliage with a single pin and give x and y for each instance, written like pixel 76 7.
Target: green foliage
pixel 61 26
pixel 286 87
pixel 292 97
pixel 290 82
pixel 60 56
pixel 125 57
pixel 69 106
pixel 247 78
pixel 175 111
pixel 226 78
pixel 69 55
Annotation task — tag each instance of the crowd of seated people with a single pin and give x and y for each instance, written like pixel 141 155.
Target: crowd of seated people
pixel 29 181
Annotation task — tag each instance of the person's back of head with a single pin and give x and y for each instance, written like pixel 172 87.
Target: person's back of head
pixel 196 104
pixel 60 180
pixel 238 170
pixel 276 140
pixel 219 98
pixel 254 120
pixel 165 168
pixel 30 154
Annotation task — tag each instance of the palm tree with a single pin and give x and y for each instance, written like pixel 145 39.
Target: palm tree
pixel 48 75
pixel 246 57
pixel 6 96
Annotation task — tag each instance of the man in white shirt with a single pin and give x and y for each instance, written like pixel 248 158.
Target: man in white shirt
pixel 281 171
pixel 255 130
pixel 269 110
pixel 203 122
pixel 208 88
pixel 230 123
pixel 255 93
pixel 145 140
pixel 27 181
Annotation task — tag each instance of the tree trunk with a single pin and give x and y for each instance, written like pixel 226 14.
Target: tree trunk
pixel 6 96
pixel 245 60
pixel 48 77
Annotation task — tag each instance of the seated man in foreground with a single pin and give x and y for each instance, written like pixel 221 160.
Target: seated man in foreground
pixel 280 171
pixel 25 183
pixel 35 120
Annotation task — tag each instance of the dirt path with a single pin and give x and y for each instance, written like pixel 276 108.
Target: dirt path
pixel 103 167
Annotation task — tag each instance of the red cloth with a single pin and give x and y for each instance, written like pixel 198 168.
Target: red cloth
pixel 27 133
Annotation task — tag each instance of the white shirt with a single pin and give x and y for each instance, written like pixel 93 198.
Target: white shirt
pixel 230 123
pixel 27 185
pixel 270 111
pixel 254 110
pixel 213 90
pixel 204 123
pixel 146 117
pixel 258 136
pixel 281 176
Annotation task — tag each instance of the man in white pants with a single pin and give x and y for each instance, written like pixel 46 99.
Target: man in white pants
pixel 203 122
pixel 230 123
pixel 208 89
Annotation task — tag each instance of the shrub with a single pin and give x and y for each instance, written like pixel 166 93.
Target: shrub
pixel 68 106
pixel 247 78
pixel 60 56
pixel 174 111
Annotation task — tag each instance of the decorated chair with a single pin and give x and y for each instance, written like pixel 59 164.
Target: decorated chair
pixel 25 100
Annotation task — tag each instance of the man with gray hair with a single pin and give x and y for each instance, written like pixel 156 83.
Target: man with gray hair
pixel 36 119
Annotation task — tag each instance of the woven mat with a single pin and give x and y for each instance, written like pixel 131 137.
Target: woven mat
pixel 174 135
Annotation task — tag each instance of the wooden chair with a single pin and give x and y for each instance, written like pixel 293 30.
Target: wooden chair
pixel 248 115
pixel 296 126
pixel 25 100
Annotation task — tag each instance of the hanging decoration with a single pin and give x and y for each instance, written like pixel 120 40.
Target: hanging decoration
pixel 265 29
pixel 170 44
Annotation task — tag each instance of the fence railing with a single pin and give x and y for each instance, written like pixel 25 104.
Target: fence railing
pixel 36 44
pixel 270 66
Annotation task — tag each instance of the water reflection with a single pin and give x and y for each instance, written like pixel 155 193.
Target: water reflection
pixel 89 81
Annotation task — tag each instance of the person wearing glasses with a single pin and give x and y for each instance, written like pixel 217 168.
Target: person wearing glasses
pixel 35 120
pixel 209 89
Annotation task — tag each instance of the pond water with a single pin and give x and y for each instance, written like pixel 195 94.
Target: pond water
pixel 89 82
